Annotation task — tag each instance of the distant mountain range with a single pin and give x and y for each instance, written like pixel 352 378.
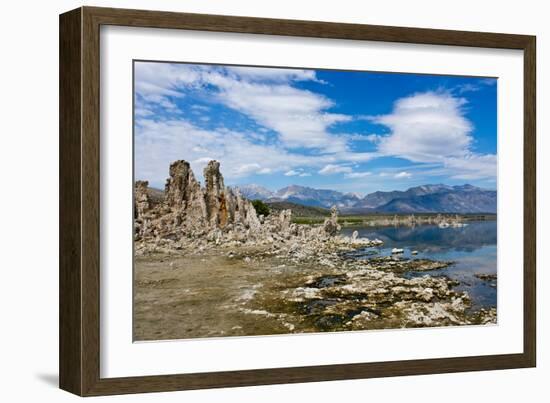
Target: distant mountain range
pixel 420 199
pixel 302 195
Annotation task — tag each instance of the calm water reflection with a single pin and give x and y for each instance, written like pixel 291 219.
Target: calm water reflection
pixel 473 249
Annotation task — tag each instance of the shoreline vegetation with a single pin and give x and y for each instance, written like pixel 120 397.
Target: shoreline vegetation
pixel 207 265
pixel 397 220
pixel 316 215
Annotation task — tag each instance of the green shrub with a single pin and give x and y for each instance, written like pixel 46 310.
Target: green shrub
pixel 260 207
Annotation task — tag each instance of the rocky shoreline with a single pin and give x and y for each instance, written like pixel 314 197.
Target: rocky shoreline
pixel 300 278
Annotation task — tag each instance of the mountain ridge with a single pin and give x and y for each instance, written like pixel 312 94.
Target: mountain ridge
pixel 429 198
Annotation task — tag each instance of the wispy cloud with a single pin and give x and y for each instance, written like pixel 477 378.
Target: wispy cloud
pixel 468 87
pixel 356 175
pixel 297 172
pixel 160 142
pixel 292 172
pixel 269 121
pixel 478 85
pixel 331 169
pixel 266 95
pixel 244 169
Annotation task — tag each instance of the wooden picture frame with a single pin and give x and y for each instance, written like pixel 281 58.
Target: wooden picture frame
pixel 79 346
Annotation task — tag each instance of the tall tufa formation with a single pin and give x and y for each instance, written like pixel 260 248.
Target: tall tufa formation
pixel 215 195
pixel 191 210
pixel 183 195
pixel 180 184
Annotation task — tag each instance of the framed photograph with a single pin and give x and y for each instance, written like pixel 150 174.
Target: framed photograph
pixel 249 201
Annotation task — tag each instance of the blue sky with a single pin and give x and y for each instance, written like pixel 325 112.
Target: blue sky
pixel 348 131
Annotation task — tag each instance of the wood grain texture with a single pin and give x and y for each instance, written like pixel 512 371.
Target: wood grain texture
pixel 90 202
pixel 530 203
pixel 80 201
pixel 161 383
pixel 70 271
pixel 316 29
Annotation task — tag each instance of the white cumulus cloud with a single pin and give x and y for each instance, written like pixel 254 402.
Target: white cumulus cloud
pixel 431 127
pixel 402 174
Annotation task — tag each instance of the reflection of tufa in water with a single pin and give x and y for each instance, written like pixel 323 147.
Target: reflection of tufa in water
pixel 455 223
pixel 443 221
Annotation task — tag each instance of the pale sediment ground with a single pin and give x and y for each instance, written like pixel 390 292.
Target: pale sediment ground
pixel 276 290
pixel 199 296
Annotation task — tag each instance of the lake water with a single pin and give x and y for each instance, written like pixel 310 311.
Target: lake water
pixel 472 248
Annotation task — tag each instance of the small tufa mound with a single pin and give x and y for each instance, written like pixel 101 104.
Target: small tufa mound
pixel 331 226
